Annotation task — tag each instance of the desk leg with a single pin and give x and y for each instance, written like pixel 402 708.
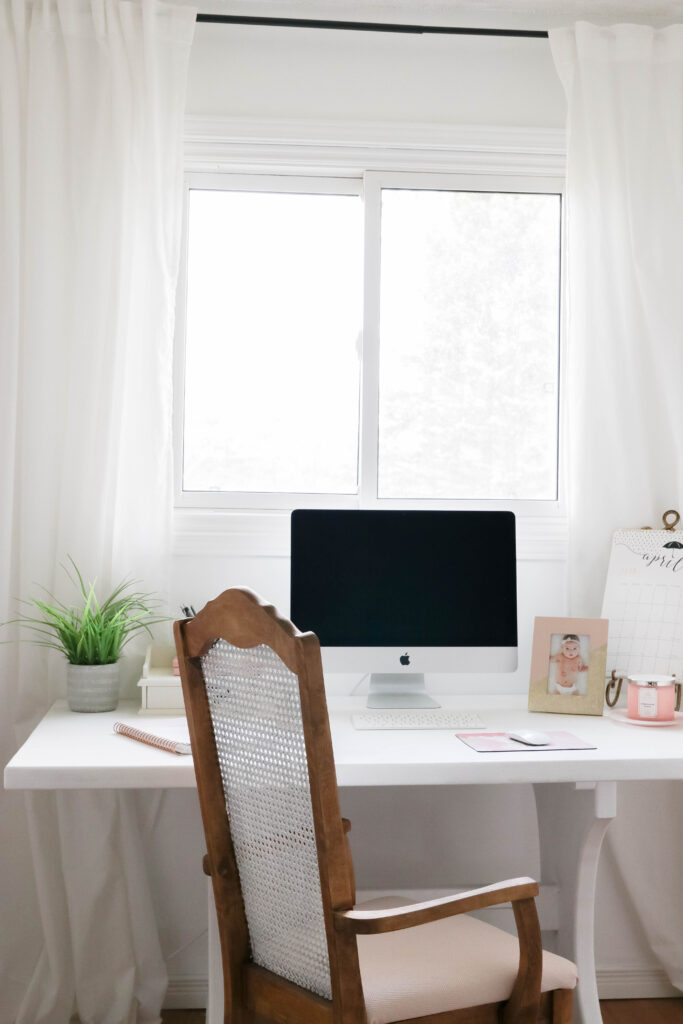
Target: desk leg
pixel 214 1002
pixel 572 821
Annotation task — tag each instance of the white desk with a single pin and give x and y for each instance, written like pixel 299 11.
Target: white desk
pixel 575 790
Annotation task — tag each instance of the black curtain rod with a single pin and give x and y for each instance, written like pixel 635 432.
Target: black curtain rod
pixel 369 26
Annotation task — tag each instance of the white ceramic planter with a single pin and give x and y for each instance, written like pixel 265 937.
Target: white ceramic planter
pixel 92 687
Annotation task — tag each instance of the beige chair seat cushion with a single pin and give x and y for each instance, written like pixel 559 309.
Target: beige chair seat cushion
pixel 446 965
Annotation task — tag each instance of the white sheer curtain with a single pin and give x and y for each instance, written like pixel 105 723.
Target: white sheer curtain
pixel 624 86
pixel 91 106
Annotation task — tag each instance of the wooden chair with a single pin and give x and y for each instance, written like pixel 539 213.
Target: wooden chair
pixel 295 950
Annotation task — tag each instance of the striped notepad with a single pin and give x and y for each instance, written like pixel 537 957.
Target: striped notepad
pixel 167 734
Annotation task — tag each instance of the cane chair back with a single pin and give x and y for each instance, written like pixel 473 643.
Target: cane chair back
pixel 277 850
pixel 257 724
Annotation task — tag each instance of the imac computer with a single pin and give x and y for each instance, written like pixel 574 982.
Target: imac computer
pixel 402 593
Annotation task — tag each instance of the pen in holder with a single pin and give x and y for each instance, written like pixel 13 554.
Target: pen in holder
pixel 652 698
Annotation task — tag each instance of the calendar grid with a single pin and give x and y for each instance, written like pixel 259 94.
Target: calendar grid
pixel 644 603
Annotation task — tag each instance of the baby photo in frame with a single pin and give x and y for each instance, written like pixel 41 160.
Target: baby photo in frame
pixel 568 665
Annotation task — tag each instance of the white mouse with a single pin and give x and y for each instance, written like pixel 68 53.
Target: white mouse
pixel 530 738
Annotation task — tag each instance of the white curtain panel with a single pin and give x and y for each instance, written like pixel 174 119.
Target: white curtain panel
pixel 91 109
pixel 624 86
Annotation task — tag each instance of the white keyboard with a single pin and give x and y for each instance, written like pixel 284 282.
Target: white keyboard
pixel 417 718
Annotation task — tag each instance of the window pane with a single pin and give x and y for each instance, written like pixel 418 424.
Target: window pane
pixel 272 350
pixel 469 318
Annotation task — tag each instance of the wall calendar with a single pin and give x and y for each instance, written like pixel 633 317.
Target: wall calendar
pixel 643 601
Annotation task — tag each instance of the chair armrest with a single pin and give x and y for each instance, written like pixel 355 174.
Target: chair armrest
pixel 374 922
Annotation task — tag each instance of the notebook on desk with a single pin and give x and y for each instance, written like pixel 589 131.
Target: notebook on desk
pixel 170 734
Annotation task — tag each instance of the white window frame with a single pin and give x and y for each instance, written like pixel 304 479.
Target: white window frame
pixel 374 182
pixel 243 500
pixel 508 159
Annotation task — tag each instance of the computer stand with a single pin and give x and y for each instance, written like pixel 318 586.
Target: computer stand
pixel 390 690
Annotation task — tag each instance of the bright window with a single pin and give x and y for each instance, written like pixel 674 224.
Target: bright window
pixel 348 342
pixel 272 342
pixel 469 320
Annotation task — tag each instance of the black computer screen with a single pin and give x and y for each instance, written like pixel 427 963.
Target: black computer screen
pixel 394 578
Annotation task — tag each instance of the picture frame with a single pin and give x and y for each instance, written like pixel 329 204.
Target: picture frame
pixel 568 666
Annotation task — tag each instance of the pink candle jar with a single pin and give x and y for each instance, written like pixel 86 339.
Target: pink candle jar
pixel 652 698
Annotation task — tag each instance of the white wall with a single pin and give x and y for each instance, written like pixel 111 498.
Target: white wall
pixel 325 75
pixel 476 834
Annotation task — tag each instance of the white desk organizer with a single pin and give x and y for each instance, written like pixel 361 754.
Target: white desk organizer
pixel 160 690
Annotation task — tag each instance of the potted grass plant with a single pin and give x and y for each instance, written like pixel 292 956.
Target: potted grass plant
pixel 91 634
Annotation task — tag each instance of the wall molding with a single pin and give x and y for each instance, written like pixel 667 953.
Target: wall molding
pixel 189 992
pixel 231 534
pixel 202 532
pixel 635 983
pixel 350 147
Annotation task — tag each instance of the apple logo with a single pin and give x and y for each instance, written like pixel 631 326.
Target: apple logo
pixel 405 659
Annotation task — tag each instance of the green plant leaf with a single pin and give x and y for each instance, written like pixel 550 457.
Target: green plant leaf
pixel 93 632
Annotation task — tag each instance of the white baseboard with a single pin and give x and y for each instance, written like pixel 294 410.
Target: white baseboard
pixel 635 983
pixel 188 992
